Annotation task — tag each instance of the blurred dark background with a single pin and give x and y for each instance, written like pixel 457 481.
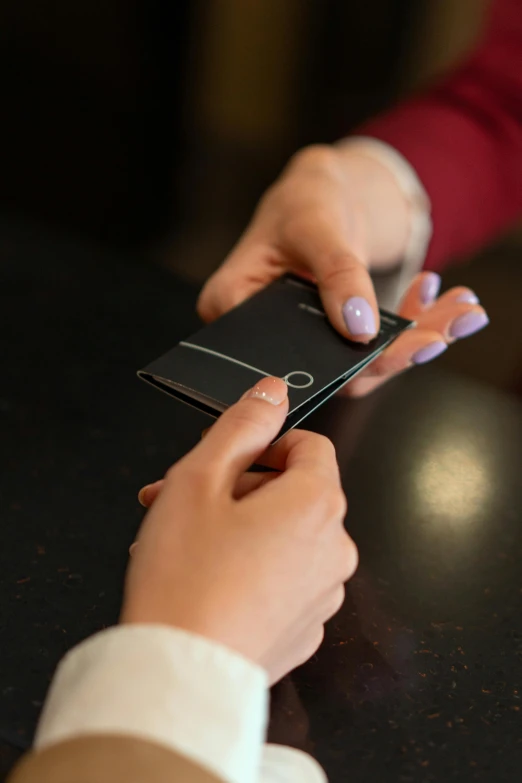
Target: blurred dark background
pixel 152 127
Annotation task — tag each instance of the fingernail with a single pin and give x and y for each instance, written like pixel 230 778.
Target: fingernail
pixel 429 288
pixel 468 297
pixel 429 352
pixel 467 324
pixel 272 390
pixel 142 494
pixel 204 432
pixel 132 548
pixel 359 317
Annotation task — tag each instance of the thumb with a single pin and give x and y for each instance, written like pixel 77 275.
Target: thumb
pixel 331 246
pixel 244 431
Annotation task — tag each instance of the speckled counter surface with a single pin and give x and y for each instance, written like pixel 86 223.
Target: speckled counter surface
pixel 420 675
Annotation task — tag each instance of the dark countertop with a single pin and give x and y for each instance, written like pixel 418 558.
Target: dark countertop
pixel 420 676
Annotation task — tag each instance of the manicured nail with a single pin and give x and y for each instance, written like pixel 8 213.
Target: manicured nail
pixel 468 297
pixel 359 317
pixel 467 324
pixel 428 353
pixel 272 390
pixel 429 288
pixel 142 494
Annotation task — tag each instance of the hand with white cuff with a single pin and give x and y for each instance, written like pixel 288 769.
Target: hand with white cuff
pixel 335 214
pixel 253 561
pixel 230 583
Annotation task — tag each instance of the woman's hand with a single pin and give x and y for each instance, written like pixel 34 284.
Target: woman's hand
pixel 439 322
pixel 317 220
pixel 257 561
pixel 333 214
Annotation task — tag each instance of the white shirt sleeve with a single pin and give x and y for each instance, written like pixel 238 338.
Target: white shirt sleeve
pixel 421 227
pixel 177 689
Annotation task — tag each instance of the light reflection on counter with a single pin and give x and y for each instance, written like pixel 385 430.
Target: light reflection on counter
pixel 453 480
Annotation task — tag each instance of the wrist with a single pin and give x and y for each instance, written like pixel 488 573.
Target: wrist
pixel 214 623
pixel 383 205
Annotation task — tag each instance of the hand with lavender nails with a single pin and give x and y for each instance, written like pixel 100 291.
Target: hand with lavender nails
pixel 335 214
pixel 439 322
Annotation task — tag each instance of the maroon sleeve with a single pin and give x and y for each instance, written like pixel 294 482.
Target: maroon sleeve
pixel 463 136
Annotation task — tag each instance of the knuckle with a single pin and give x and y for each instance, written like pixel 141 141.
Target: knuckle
pixel 337 503
pixel 319 445
pixel 296 225
pixel 316 156
pixel 311 645
pixel 350 558
pixel 198 475
pixel 335 602
pixel 218 295
pixel 323 444
pixel 336 267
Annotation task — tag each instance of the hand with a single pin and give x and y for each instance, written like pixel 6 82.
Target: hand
pixel 439 322
pixel 256 562
pixel 334 214
pixel 328 217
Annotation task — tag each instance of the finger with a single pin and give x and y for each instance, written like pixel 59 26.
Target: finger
pixel 455 314
pixel 243 432
pixel 452 317
pixel 309 638
pixel 416 346
pixel 274 457
pixel 148 494
pixel 319 241
pixel 298 651
pixel 282 454
pixel 434 326
pixel 360 387
pixel 310 453
pixel 334 603
pixel 251 266
pixel 422 295
pixel 249 482
pixel 246 484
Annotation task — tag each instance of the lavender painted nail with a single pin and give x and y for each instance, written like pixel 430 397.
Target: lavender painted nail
pixel 358 317
pixel 467 324
pixel 429 288
pixel 468 297
pixel 429 352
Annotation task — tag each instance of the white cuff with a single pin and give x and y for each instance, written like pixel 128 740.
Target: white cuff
pixel 167 686
pixel 287 765
pixel 407 179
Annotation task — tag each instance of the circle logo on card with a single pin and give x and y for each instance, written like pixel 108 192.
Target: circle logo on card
pixel 298 379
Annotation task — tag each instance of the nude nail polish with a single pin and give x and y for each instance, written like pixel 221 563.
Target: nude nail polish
pixel 272 390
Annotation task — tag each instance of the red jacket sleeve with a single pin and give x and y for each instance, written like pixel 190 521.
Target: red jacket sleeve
pixel 464 138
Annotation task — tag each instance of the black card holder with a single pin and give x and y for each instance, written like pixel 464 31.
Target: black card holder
pixel 281 331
